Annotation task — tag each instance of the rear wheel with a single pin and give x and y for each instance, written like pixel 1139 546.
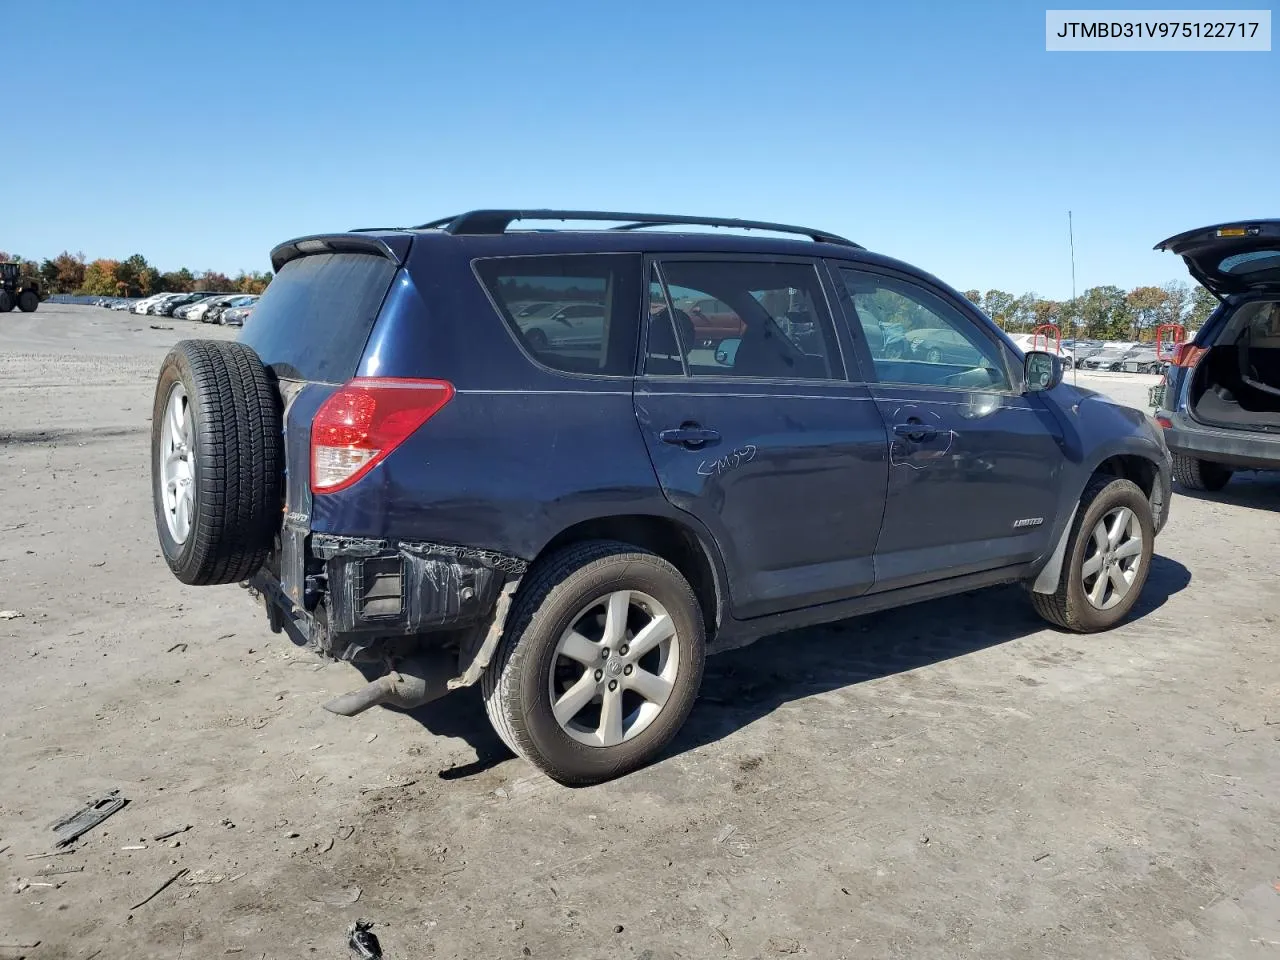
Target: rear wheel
pixel 934 355
pixel 1196 474
pixel 6 301
pixel 1107 559
pixel 216 461
pixel 599 664
pixel 28 301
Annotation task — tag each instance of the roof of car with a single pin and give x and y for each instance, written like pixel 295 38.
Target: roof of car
pixel 495 237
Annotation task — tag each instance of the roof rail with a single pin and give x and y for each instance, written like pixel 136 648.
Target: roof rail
pixel 497 221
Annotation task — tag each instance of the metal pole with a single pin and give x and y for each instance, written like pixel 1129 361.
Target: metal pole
pixel 1071 238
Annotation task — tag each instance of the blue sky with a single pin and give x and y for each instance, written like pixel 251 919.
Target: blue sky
pixel 201 134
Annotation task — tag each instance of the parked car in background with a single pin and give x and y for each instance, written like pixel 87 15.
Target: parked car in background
pixel 563 325
pixel 712 321
pixel 1108 358
pixel 200 309
pixel 168 308
pixel 215 311
pixel 141 307
pixel 1141 359
pixel 942 345
pixel 1221 405
pixel 236 316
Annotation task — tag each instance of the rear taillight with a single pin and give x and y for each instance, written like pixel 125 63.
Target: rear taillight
pixel 363 421
pixel 1164 422
pixel 1187 355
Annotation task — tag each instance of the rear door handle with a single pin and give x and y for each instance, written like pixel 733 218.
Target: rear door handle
pixel 914 430
pixel 689 435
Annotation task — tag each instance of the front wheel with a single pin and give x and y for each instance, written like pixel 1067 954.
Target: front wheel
pixel 1107 559
pixel 599 663
pixel 6 301
pixel 28 301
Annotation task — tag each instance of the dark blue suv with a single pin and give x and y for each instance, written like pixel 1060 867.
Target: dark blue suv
pixel 533 459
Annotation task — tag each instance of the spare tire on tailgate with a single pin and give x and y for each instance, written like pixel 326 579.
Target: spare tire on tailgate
pixel 217 461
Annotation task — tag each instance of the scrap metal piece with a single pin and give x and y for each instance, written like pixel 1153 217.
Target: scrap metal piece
pixel 363 942
pixel 480 657
pixel 71 827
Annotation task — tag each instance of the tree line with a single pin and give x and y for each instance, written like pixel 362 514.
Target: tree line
pixel 131 277
pixel 1101 313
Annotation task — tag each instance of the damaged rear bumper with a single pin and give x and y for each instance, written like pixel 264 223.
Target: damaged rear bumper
pixel 344 595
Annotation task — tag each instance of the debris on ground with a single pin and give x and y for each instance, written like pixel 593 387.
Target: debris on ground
pixel 10 614
pixel 54 871
pixel 204 876
pixel 71 827
pixel 160 326
pixel 337 898
pixel 1042 856
pixel 160 889
pixel 344 833
pixel 180 647
pixel 728 831
pixel 362 941
pixel 783 945
pixel 172 833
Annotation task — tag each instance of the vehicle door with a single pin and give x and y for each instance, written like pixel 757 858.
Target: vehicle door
pixel 762 438
pixel 974 465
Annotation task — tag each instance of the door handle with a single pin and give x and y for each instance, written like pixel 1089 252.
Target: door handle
pixel 914 430
pixel 690 435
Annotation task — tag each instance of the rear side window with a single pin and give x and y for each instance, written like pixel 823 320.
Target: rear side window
pixel 314 320
pixel 578 314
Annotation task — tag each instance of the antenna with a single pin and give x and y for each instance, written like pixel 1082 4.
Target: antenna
pixel 1071 238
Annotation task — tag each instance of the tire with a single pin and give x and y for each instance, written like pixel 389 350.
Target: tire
pixel 6 301
pixel 234 468
pixel 1069 606
pixel 537 340
pixel 1067 364
pixel 933 355
pixel 1196 474
pixel 28 301
pixel 559 593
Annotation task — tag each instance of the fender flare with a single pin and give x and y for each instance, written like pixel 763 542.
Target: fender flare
pixel 1046 580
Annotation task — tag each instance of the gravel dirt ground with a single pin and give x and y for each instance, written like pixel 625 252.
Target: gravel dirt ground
pixel 949 780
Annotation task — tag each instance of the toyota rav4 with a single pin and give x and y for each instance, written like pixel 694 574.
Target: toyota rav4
pixel 408 468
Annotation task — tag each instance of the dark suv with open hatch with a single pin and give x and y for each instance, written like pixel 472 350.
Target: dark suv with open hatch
pixel 415 464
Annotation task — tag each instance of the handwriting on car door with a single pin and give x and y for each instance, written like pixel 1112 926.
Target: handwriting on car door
pixel 714 468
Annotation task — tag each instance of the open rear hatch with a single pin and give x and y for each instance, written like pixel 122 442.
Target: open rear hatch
pixel 1234 364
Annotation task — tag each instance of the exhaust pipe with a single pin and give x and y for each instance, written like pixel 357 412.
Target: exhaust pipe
pixel 416 681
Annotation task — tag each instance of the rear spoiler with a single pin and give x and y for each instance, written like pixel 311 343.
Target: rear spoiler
pixel 395 247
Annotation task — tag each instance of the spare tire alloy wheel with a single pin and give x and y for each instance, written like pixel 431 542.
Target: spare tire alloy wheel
pixel 177 466
pixel 614 668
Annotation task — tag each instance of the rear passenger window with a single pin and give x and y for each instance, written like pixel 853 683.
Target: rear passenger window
pixel 572 313
pixel 743 319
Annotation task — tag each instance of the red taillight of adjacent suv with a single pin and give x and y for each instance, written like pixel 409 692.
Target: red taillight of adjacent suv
pixel 1188 355
pixel 363 421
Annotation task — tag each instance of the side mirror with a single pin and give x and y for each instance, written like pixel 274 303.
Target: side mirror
pixel 727 351
pixel 1041 370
